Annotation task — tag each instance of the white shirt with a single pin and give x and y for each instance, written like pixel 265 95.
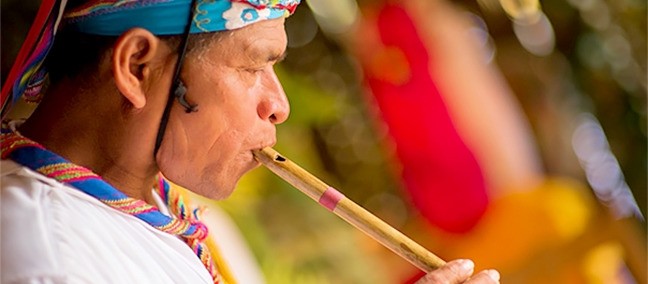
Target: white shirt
pixel 52 233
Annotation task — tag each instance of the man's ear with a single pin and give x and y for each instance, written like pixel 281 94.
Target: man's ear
pixel 131 63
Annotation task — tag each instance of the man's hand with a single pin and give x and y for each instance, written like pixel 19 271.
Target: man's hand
pixel 460 271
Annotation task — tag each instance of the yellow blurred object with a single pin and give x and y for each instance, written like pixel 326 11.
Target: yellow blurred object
pixel 553 233
pixel 604 263
pixel 522 10
pixel 520 225
pixel 568 207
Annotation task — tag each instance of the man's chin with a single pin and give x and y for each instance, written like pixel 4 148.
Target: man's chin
pixel 218 192
pixel 210 189
pixel 219 188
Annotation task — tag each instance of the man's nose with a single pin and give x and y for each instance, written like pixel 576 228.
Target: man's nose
pixel 274 106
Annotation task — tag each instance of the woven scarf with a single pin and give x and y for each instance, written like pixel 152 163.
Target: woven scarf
pixel 30 154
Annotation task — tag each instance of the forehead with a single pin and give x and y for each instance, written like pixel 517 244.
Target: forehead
pixel 256 41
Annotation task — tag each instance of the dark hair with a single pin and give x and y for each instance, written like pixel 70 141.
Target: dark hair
pixel 74 54
pixel 77 54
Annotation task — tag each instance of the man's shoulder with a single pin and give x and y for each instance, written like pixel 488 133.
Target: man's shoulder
pixel 29 190
pixel 26 226
pixel 28 193
pixel 49 228
pixel 12 172
pixel 8 167
pixel 22 191
pixel 35 229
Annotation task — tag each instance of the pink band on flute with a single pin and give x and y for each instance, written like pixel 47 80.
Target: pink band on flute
pixel 330 198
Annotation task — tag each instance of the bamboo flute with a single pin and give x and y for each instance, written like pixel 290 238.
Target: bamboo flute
pixel 346 209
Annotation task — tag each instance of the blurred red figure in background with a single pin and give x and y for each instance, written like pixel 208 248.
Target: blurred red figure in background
pixel 468 159
pixel 439 172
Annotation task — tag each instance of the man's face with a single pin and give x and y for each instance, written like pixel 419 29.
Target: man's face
pixel 240 100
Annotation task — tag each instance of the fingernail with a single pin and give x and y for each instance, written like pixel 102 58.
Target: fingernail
pixel 467 265
pixel 493 274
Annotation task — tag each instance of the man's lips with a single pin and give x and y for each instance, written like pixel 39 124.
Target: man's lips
pixel 265 144
pixel 262 145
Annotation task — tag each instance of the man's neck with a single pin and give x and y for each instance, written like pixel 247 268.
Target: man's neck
pixel 97 136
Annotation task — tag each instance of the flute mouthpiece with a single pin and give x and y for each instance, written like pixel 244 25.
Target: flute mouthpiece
pixel 268 153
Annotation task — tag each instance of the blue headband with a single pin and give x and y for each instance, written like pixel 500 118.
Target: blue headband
pixel 169 17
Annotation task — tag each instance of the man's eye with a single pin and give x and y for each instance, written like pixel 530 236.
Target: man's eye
pixel 255 70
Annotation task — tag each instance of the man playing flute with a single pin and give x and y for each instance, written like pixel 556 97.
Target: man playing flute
pixel 138 91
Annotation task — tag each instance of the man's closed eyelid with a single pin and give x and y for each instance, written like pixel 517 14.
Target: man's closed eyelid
pixel 251 68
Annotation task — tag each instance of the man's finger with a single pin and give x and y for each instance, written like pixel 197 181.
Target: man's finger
pixel 485 277
pixel 453 272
